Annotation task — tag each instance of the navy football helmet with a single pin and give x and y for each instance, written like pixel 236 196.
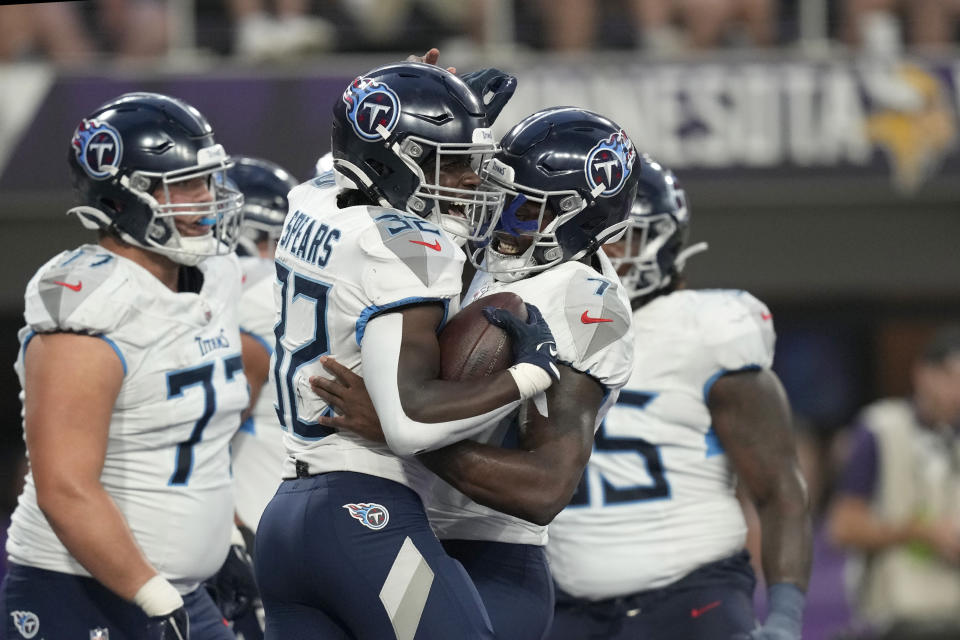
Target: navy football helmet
pixel 127 149
pixel 396 126
pixel 570 176
pixel 264 186
pixel 652 253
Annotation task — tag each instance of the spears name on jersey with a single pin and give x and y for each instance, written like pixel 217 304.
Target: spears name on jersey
pixel 337 269
pixel 658 490
pixel 178 407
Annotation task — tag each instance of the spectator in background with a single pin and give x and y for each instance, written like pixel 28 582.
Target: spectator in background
pixel 135 28
pixel 291 30
pixel 571 24
pixel 898 503
pixel 50 28
pixel 706 23
pixel 929 23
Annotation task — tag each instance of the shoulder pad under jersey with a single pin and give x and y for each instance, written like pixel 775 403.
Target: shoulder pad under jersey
pixel 408 257
pixel 83 290
pixel 589 317
pixel 736 328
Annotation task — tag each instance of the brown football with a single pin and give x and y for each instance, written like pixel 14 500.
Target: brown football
pixel 471 347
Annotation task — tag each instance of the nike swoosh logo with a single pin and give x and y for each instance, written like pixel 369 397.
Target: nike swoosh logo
pixel 72 287
pixel 551 348
pixel 435 245
pixel 696 613
pixel 586 319
pixel 766 316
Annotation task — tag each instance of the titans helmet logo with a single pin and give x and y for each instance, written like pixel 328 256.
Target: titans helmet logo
pixel 370 106
pixel 98 148
pixel 371 515
pixel 609 163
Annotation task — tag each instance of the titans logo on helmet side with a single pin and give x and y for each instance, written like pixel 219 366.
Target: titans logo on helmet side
pixel 371 104
pixel 98 147
pixel 609 163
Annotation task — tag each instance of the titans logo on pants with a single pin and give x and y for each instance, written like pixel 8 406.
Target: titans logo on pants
pixel 609 163
pixel 371 515
pixel 371 105
pixel 98 148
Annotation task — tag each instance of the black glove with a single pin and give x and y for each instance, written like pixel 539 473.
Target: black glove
pixel 234 588
pixel 532 340
pixel 493 87
pixel 173 626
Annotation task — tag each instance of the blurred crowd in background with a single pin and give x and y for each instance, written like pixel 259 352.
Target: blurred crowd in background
pixel 78 33
pixel 851 364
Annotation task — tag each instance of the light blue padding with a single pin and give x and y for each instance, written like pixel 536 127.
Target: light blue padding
pixel 263 343
pixel 368 314
pixel 113 345
pixel 26 341
pixel 116 349
pixel 713 379
pixel 714 448
pixel 248 426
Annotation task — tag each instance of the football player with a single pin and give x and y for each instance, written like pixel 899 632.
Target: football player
pixel 367 269
pixel 570 177
pixel 132 388
pixel 652 544
pixel 257 448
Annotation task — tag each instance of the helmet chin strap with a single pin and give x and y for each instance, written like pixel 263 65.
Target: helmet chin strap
pixel 688 253
pixel 90 218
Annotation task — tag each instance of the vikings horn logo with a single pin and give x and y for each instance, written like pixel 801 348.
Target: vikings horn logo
pixel 371 515
pixel 609 163
pixel 371 105
pixel 98 147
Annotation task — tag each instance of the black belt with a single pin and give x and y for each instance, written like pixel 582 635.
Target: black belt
pixel 303 469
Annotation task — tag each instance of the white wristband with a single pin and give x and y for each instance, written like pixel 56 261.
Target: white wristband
pixel 157 597
pixel 530 379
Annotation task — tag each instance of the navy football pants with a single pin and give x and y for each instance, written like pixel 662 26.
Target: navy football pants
pixel 711 603
pixel 326 571
pixel 514 583
pixel 60 605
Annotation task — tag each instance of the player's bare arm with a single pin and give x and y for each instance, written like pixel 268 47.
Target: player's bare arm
pixel 427 398
pixel 533 483
pixel 256 368
pixel 537 481
pixel 752 419
pixel 72 382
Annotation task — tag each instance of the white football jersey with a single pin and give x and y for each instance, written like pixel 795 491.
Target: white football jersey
pixel 589 316
pixel 338 268
pixel 657 499
pixel 167 464
pixel 257 448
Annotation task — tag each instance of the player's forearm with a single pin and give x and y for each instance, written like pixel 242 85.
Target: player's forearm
pixel 442 400
pixel 787 539
pixel 93 530
pixel 524 484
